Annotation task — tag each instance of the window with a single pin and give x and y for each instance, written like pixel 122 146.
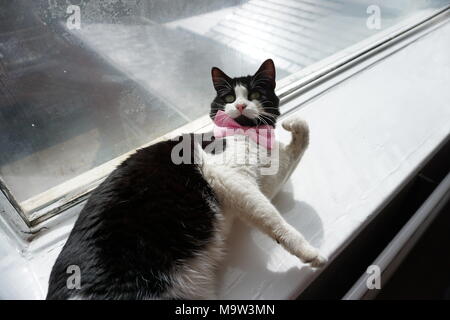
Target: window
pixel 83 83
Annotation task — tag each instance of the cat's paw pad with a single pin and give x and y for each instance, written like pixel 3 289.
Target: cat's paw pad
pixel 297 126
pixel 300 132
pixel 312 256
pixel 318 262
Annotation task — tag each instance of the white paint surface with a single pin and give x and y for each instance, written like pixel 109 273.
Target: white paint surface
pixel 367 135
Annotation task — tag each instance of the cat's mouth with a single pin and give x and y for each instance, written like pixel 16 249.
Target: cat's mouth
pixel 246 121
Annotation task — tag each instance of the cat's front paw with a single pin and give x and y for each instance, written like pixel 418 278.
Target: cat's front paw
pixel 318 262
pixel 299 129
pixel 309 254
pixel 296 125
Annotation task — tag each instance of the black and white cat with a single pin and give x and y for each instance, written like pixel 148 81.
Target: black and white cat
pixel 155 229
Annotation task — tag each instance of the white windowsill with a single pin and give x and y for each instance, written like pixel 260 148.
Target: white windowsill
pixel 368 134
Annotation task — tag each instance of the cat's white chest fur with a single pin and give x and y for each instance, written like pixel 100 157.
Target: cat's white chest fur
pixel 242 158
pixel 246 176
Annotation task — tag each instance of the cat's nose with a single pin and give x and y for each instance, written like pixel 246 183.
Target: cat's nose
pixel 241 107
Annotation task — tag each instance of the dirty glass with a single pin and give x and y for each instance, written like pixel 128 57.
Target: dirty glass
pixel 83 82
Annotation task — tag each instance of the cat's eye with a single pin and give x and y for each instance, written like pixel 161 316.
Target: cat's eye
pixel 229 98
pixel 255 95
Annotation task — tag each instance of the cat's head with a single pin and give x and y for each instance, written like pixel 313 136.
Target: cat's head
pixel 250 100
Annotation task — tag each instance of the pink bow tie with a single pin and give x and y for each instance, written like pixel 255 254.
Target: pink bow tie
pixel 226 126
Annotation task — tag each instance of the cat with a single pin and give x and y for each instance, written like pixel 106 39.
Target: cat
pixel 156 228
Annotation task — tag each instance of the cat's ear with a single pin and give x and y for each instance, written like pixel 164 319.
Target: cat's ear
pixel 267 71
pixel 219 78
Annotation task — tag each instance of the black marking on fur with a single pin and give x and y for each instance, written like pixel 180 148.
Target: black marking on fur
pixel 148 216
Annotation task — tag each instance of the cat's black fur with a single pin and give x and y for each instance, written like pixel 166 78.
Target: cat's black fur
pixel 144 220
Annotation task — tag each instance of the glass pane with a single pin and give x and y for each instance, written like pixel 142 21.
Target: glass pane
pixel 83 82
